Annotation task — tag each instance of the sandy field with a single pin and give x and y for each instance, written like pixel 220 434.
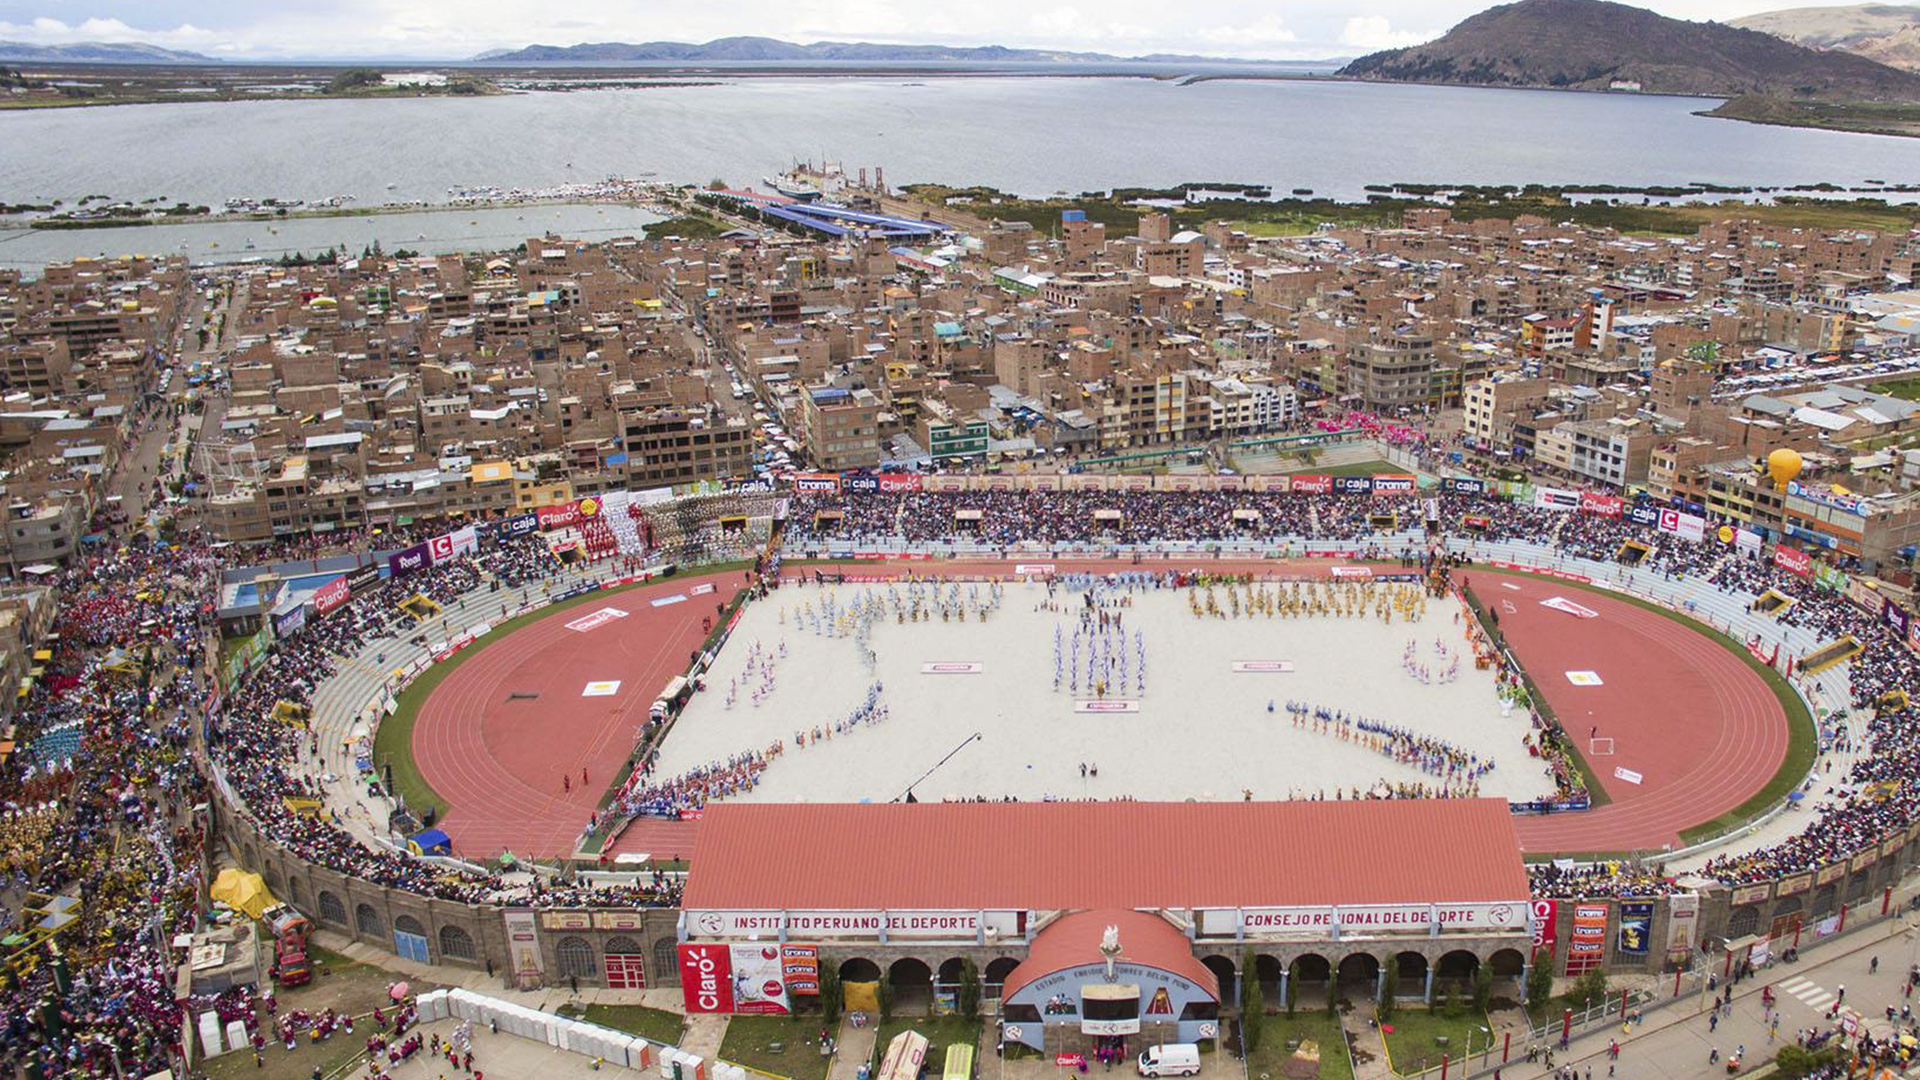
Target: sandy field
pixel 1202 729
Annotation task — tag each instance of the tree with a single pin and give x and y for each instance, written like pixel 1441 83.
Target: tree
pixel 1333 994
pixel 832 997
pixel 1389 989
pixel 1252 1004
pixel 1540 981
pixel 1591 988
pixel 1293 986
pixel 885 994
pixel 1482 989
pixel 1797 1061
pixel 969 990
pixel 1450 1004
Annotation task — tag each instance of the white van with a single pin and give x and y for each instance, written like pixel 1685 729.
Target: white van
pixel 1170 1059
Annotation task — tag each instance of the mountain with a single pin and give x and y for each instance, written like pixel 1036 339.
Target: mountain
pixel 1593 44
pixel 1884 32
pixel 737 50
pixel 97 52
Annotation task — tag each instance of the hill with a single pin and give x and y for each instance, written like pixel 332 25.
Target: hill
pixel 97 52
pixel 1593 45
pixel 735 50
pixel 1888 33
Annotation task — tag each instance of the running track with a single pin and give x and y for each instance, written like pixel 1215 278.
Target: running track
pixel 498 763
pixel 1700 726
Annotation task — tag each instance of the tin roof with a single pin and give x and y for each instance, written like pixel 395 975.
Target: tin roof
pixel 1061 856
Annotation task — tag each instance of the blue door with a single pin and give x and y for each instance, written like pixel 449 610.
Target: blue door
pixel 411 946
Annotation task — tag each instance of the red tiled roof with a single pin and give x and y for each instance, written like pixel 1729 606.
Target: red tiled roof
pixel 1064 856
pixel 1145 938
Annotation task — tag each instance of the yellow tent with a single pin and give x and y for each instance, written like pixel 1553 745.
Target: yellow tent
pixel 242 891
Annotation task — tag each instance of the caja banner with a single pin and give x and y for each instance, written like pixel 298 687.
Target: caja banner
pixel 519 525
pixel 1463 485
pixel 1644 515
pixel 860 483
pixel 1353 485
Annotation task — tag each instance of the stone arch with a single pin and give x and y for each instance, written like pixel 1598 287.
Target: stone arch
pixel 576 959
pixel 271 875
pixel 1360 969
pixel 1791 905
pixel 296 892
pixel 998 969
pixel 1458 965
pixel 1411 969
pixel 1312 968
pixel 621 945
pixel 367 921
pixel 949 972
pixel 1267 969
pixel 1225 974
pixel 407 924
pixel 1506 963
pixel 1743 920
pixel 331 909
pixel 455 942
pixel 1825 901
pixel 859 969
pixel 910 981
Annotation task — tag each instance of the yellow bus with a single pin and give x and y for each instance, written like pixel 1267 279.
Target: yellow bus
pixel 959 1063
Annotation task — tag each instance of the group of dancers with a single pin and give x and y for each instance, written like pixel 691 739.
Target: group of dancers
pixel 1102 640
pixel 1305 599
pixel 760 664
pixel 871 711
pixel 1459 770
pixel 1444 669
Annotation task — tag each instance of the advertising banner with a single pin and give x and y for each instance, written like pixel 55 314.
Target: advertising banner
pixel 407 560
pixel 859 483
pixel 759 985
pixel 894 482
pixel 1636 926
pixel 1793 562
pixel 1643 515
pixel 1588 948
pixel 523 944
pixel 1393 484
pixel 362 576
pixel 1602 505
pixel 561 515
pixel 816 482
pixel 706 978
pixel 937 925
pixel 450 546
pixel 288 621
pixel 800 969
pixel 1353 485
pixel 1683 917
pixel 1544 921
pixel 1552 498
pixel 331 596
pixel 1751 894
pixel 1747 541
pixel 1686 526
pixel 1310 484
pixel 1894 616
pixel 1463 485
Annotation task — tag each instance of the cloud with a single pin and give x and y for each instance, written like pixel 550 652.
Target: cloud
pixel 1376 32
pixel 50 31
pixel 1268 31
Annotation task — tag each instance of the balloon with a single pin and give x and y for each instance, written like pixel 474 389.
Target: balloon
pixel 1783 465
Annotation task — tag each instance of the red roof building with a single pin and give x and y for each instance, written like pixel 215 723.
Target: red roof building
pixel 1072 855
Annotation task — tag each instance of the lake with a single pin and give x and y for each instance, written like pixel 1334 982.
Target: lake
pixel 1026 135
pixel 432 232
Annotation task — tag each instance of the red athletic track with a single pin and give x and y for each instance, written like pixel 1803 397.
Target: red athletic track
pixel 1702 727
pixel 498 764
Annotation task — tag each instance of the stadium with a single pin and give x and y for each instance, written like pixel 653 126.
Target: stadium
pixel 1574 732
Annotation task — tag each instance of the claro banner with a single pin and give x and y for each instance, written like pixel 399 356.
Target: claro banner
pixel 717 978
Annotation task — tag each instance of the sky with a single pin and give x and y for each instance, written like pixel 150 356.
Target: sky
pixel 457 29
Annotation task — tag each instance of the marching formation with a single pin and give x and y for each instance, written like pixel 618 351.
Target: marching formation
pixel 1444 669
pixel 1458 770
pixel 1306 599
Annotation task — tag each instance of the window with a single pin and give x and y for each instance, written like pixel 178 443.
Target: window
pixel 331 909
pixel 456 942
pixel 367 920
pixel 576 957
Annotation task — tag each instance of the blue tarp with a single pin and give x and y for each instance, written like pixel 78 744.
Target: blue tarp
pixel 431 842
